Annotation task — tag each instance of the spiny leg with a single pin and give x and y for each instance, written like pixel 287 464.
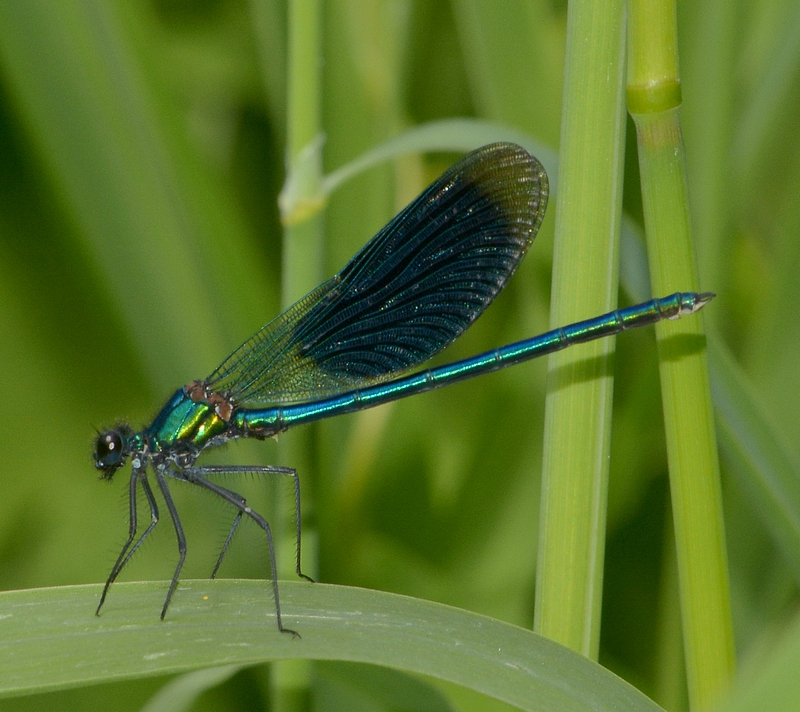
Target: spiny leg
pixel 176 522
pixel 227 542
pixel 128 551
pixel 259 470
pixel 196 475
pixel 291 472
pixel 151 501
pixel 132 527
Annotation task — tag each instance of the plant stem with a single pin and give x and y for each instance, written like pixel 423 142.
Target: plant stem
pixel 654 100
pixel 580 384
pixel 302 241
pixel 303 261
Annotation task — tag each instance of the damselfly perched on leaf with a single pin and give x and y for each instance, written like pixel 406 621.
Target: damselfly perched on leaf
pixel 411 291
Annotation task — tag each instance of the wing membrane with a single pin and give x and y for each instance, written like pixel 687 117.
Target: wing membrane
pixel 410 291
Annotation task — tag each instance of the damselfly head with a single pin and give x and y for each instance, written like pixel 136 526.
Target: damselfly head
pixel 111 450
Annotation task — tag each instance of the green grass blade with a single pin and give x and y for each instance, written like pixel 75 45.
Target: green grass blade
pixel 443 135
pixel 515 74
pixel 578 410
pixel 769 104
pixel 756 455
pixel 708 36
pixel 654 99
pixel 83 87
pixel 51 640
pixel 750 444
pixel 180 694
pixel 773 683
pixel 303 258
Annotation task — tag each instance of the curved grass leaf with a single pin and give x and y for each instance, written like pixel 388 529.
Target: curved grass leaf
pixel 52 640
pixel 444 135
pixel 180 693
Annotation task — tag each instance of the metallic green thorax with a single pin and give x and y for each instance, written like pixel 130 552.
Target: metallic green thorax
pixel 184 421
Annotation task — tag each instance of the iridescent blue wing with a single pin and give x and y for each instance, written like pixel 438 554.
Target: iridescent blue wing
pixel 412 289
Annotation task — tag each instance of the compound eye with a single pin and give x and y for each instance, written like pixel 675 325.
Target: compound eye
pixel 108 450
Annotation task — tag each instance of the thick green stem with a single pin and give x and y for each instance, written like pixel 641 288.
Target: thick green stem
pixel 303 262
pixel 302 244
pixel 653 100
pixel 580 384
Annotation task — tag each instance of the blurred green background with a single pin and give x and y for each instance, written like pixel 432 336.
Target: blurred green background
pixel 141 154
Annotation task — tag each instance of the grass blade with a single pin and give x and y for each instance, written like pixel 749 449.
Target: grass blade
pixel 51 640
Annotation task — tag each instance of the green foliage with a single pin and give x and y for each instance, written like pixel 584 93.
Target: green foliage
pixel 142 156
pixel 224 625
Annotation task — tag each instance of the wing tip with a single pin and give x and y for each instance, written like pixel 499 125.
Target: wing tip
pixel 513 180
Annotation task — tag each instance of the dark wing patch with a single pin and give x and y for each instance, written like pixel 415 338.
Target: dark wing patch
pixel 410 291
